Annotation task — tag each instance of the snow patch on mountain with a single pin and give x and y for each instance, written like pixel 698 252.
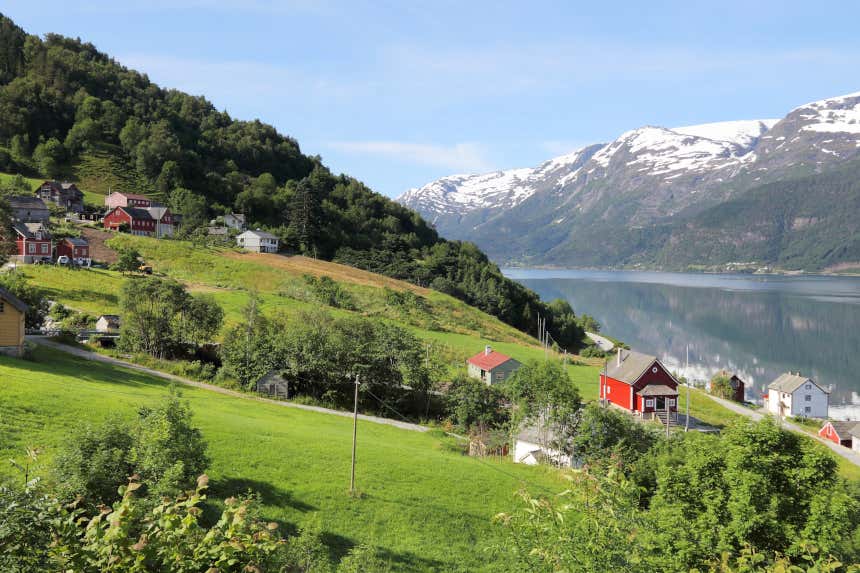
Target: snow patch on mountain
pixel 464 193
pixel 744 132
pixel 833 115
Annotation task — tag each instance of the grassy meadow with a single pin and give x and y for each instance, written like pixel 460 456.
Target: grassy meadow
pixel 424 504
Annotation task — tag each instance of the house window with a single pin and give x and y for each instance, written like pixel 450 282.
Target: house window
pixel 809 386
pixel 807 398
pixel 670 402
pixel 44 249
pixel 649 403
pixel 32 249
pixel 807 410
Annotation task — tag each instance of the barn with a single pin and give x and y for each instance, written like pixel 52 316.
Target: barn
pixel 842 433
pixel 639 383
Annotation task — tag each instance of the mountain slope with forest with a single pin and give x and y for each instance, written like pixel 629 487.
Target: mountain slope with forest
pixel 637 201
pixel 70 111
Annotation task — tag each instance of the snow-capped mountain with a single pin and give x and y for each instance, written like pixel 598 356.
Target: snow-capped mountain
pixel 646 178
pixel 461 194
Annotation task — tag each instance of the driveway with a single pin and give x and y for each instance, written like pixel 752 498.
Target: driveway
pixel 87 355
pixel 846 453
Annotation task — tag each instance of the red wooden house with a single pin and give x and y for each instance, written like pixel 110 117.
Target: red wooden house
pixel 139 221
pixel 76 249
pixel 639 383
pixel 33 242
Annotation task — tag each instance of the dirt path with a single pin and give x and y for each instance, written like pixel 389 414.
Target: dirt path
pixel 87 355
pixel 846 453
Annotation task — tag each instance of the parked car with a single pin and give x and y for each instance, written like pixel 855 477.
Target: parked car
pixel 63 260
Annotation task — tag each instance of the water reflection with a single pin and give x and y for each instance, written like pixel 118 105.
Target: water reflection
pixel 755 326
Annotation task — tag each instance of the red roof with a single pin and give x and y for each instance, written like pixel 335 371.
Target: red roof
pixel 488 361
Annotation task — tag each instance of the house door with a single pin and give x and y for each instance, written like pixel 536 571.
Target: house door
pixel 661 403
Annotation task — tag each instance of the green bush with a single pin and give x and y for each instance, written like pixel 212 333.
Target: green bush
pixel 160 445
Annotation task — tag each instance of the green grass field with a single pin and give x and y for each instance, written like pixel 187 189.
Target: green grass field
pixel 424 505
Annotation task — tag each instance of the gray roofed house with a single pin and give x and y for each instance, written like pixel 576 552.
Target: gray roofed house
pixel 629 365
pixel 258 241
pixel 26 208
pixel 791 394
pixel 789 382
pixel 77 241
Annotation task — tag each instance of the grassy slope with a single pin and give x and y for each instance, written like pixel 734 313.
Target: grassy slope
pixel 425 505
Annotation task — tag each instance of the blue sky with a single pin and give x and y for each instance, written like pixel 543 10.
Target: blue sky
pixel 398 93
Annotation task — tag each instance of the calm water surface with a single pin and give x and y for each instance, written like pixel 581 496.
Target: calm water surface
pixel 755 325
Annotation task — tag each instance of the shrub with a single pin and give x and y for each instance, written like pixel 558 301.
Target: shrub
pixel 161 446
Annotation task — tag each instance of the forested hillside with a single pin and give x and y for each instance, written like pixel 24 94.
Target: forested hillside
pixel 66 108
pixel 804 223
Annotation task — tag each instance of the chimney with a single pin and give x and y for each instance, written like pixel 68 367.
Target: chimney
pixel 487 350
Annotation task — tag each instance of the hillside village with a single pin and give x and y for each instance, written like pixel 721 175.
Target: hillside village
pixel 632 382
pixel 219 355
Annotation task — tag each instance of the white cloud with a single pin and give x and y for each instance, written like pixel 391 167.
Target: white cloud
pixel 460 157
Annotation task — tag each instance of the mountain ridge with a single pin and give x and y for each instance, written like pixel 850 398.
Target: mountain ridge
pixel 643 184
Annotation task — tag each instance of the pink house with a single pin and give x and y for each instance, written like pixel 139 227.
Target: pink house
pixel 118 199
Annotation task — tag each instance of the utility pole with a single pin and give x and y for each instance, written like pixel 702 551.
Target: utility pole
pixel 668 413
pixel 354 432
pixel 687 372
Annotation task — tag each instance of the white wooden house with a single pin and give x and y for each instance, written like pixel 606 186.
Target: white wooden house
pixel 258 241
pixel 795 395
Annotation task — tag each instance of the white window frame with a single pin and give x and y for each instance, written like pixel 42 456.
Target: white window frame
pixel 649 402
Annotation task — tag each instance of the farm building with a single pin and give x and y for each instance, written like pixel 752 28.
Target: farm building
pixel 258 241
pixel 492 367
pixel 530 448
pixel 77 249
pixel 119 199
pixel 65 195
pixel 843 433
pixel 273 383
pixel 12 312
pixel 639 383
pixel 29 209
pixel 795 395
pixel 108 323
pixel 163 221
pixel 33 242
pixel 137 220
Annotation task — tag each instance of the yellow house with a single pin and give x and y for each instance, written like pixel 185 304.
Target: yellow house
pixel 12 312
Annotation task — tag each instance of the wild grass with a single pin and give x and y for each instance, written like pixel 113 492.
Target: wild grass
pixel 424 504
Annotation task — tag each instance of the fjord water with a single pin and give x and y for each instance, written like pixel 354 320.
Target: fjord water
pixel 755 325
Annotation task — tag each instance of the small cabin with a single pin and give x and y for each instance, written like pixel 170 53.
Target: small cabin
pixel 12 314
pixel 491 367
pixel 108 323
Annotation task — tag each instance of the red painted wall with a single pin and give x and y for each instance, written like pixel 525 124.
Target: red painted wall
pixel 64 248
pixel 117 217
pixel 828 432
pixel 616 391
